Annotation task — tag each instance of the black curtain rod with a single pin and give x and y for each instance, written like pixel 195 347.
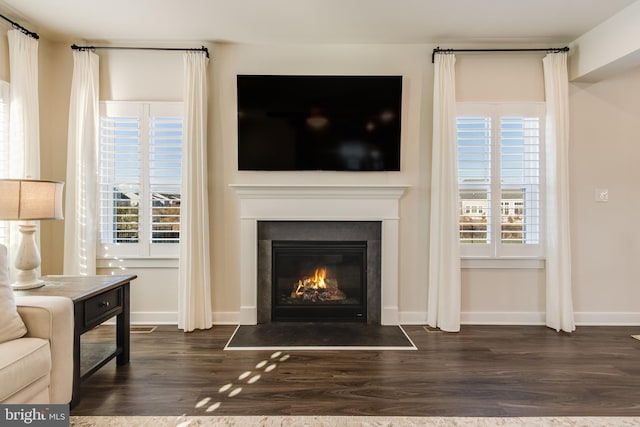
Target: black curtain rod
pixel 546 49
pixel 195 49
pixel 21 28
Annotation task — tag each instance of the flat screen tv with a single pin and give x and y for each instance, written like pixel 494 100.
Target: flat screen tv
pixel 332 123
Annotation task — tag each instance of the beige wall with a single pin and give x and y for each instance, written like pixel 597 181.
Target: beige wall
pixel 412 62
pixel 489 294
pixel 605 153
pixel 130 75
pixel 499 77
pixel 55 70
pixel 604 146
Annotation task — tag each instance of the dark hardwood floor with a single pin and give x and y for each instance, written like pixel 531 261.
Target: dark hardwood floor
pixel 481 371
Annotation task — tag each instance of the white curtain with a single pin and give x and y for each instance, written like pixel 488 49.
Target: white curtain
pixel 24 121
pixel 5 147
pixel 444 245
pixel 24 118
pixel 194 279
pixel 558 241
pixel 81 206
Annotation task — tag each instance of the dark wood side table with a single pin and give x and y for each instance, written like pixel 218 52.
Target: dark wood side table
pixel 96 299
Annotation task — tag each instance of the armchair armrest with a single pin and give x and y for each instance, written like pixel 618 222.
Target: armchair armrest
pixel 51 318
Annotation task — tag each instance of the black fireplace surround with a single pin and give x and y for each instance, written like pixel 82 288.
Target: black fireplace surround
pixel 319 271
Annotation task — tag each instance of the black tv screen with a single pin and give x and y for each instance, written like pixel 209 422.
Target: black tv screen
pixel 333 123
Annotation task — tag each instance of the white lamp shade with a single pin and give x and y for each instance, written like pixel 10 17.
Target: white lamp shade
pixel 30 199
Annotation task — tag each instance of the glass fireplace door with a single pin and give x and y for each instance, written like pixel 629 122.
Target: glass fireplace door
pixel 319 280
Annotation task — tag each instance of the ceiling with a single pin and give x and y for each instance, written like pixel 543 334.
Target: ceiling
pixel 313 21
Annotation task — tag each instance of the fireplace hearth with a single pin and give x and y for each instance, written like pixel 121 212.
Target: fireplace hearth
pixel 319 280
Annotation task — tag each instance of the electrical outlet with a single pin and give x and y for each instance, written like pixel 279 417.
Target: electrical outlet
pixel 601 195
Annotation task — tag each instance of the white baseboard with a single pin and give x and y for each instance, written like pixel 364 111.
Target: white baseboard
pixel 413 317
pixel 420 318
pixel 502 318
pixel 607 319
pixel 171 318
pixel 529 318
pixel 226 317
pixel 150 318
pixel 154 318
pixel 479 318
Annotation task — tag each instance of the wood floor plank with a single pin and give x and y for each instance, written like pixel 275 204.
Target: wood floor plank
pixel 482 371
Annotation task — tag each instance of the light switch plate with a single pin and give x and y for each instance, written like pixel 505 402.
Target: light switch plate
pixel 601 195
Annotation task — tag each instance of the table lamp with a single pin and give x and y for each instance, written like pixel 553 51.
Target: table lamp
pixel 28 200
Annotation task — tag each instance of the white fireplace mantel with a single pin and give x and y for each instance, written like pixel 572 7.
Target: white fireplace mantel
pixel 318 203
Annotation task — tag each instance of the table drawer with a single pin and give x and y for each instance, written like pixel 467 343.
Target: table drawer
pixel 101 307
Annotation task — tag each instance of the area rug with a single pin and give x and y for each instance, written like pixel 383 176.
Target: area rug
pixel 319 336
pixel 356 421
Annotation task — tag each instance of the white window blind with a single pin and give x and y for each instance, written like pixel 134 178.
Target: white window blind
pixel 120 170
pixel 4 149
pixel 165 157
pixel 140 179
pixel 499 179
pixel 520 179
pixel 474 179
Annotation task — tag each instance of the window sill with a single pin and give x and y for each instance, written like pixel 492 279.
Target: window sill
pixel 125 263
pixel 499 263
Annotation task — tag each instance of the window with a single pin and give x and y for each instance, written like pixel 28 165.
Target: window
pixel 500 179
pixel 140 178
pixel 4 150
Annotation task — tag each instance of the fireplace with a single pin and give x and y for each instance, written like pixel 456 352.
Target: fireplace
pixel 319 270
pixel 261 204
pixel 319 280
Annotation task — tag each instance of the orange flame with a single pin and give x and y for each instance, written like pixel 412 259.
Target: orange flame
pixel 313 282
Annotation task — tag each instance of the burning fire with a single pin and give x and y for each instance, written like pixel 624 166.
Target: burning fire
pixel 317 287
pixel 314 282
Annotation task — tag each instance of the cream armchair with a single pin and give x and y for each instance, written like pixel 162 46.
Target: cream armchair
pixel 37 368
pixel 36 346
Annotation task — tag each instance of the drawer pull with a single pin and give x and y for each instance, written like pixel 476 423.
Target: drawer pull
pixel 101 307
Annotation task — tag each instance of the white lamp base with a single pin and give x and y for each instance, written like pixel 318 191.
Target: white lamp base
pixel 27 259
pixel 18 286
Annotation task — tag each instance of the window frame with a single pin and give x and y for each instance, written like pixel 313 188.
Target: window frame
pixel 496 249
pixel 144 247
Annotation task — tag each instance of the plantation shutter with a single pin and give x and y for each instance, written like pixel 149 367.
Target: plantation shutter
pixel 520 177
pixel 120 176
pixel 500 179
pixel 140 179
pixel 165 158
pixel 474 179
